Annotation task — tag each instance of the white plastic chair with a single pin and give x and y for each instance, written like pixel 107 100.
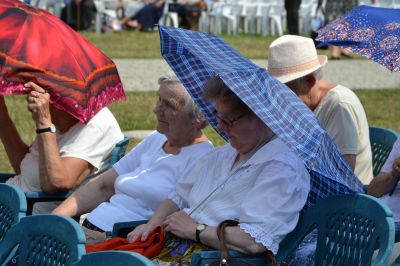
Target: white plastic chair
pixel 104 8
pixel 306 12
pixel 169 18
pixel 385 3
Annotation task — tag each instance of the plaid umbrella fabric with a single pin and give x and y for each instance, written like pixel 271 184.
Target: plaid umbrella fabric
pixel 372 32
pixel 195 57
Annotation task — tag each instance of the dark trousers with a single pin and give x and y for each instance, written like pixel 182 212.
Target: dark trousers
pixel 292 15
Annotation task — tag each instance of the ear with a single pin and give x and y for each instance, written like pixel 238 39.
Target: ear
pixel 311 80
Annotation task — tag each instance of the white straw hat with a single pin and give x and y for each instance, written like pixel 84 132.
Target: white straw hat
pixel 291 57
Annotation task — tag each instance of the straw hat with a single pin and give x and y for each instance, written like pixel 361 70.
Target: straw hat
pixel 291 57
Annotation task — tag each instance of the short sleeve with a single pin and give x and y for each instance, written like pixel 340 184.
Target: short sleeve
pixel 343 128
pixel 271 208
pixel 90 143
pixel 130 161
pixel 394 154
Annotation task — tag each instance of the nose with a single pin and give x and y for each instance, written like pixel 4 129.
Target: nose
pixel 156 108
pixel 221 126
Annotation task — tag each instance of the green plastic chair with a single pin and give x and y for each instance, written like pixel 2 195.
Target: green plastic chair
pixel 37 196
pixel 350 228
pixel 12 207
pixel 113 258
pixel 43 240
pixel 382 140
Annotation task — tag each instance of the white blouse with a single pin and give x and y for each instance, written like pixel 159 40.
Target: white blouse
pixel 146 176
pixel 265 195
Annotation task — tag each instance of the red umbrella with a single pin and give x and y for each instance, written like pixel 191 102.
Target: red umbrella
pixel 37 46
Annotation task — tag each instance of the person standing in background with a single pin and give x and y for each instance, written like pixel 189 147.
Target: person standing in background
pixel 292 15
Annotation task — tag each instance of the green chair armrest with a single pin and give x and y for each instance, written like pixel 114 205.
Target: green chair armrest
pixel 205 257
pixel 5 176
pixel 122 229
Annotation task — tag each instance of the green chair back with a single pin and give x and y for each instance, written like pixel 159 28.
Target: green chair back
pixel 12 207
pixel 382 140
pixel 350 228
pixel 113 258
pixel 43 240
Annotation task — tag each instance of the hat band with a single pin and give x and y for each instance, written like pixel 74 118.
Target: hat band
pixel 293 69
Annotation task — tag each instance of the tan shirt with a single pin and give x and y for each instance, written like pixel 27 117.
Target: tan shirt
pixel 344 118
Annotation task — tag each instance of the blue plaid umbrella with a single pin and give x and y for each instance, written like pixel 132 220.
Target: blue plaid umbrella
pixel 372 32
pixel 196 57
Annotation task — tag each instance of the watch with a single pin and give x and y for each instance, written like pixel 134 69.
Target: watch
pixel 200 228
pixel 51 128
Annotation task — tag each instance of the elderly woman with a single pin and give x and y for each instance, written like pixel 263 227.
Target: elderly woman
pixel 255 179
pixel 137 184
pixel 64 151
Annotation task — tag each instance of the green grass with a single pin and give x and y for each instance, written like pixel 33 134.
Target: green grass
pixel 382 108
pixel 147 44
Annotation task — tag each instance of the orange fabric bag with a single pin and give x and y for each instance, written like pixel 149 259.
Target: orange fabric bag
pixel 150 248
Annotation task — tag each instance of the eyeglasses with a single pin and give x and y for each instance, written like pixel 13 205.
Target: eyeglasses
pixel 229 122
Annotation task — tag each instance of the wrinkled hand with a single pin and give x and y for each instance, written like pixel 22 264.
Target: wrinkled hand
pixel 39 105
pixel 181 225
pixel 396 168
pixel 141 232
pixel 93 237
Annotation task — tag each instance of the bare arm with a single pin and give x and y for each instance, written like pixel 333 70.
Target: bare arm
pixel 56 173
pixel 351 160
pixel 183 226
pixel 384 182
pixel 381 184
pixel 14 146
pixel 90 195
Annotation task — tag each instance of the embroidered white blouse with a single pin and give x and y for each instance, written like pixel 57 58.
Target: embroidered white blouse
pixel 265 195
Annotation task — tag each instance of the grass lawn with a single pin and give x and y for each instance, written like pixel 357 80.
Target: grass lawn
pixel 147 45
pixel 382 108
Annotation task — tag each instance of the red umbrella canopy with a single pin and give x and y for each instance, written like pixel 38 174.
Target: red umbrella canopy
pixel 37 46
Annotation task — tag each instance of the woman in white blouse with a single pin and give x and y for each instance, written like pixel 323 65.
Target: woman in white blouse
pixel 254 179
pixel 141 180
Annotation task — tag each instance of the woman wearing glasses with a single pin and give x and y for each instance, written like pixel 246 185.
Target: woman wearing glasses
pixel 254 179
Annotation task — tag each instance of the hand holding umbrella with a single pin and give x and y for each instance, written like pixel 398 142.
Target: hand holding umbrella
pixel 39 105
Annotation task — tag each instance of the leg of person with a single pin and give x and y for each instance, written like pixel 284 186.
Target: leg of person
pixel 292 15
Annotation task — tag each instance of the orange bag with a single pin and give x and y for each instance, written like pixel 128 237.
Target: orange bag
pixel 150 248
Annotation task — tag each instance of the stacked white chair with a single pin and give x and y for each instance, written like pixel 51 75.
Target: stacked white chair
pixel 104 8
pixel 306 13
pixel 169 18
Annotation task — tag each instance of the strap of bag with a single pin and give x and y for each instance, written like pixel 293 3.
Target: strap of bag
pixel 224 249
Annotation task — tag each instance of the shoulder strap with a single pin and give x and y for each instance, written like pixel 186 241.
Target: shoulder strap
pixel 224 249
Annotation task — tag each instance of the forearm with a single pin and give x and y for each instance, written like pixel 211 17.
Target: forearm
pixel 166 208
pixel 54 176
pixel 236 239
pixel 90 195
pixel 14 146
pixel 381 184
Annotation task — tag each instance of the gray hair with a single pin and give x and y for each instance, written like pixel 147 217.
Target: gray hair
pixel 215 88
pixel 169 79
pixel 301 81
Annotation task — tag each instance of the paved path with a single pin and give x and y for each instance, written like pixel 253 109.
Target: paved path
pixel 142 74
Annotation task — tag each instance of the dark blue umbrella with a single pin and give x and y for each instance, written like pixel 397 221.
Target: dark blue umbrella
pixel 196 57
pixel 373 32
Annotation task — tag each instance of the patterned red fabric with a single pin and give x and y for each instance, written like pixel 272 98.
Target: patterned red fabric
pixel 37 46
pixel 150 248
